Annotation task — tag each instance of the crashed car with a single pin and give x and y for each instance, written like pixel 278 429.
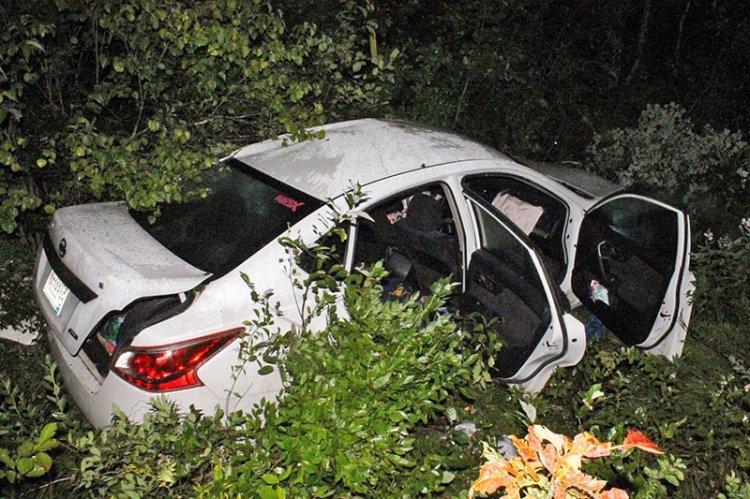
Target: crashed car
pixel 137 309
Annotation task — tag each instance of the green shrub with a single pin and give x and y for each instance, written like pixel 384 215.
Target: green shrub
pixel 32 416
pixel 707 170
pixel 721 266
pixel 697 408
pixel 18 308
pixel 735 488
pixel 31 459
pixel 132 100
pixel 357 392
pixel 167 454
pixel 21 56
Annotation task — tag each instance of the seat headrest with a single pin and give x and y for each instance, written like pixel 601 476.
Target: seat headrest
pixel 425 213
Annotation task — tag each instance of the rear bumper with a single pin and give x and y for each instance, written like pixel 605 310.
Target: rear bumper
pixel 93 397
pixel 96 398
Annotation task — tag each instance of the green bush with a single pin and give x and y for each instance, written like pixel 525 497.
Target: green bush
pixel 31 417
pixel 159 92
pixel 21 55
pixel 31 459
pixel 357 392
pixel 18 308
pixel 696 408
pixel 167 454
pixel 707 170
pixel 722 280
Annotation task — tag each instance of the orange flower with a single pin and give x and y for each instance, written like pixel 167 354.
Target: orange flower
pixel 588 446
pixel 542 433
pixel 501 473
pixel 581 481
pixel 527 453
pixel 614 494
pixel 543 452
pixel 636 439
pixel 510 475
pixel 492 476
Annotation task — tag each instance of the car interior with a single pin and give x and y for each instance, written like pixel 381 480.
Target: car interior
pixel 628 247
pixel 502 282
pixel 538 214
pixel 416 236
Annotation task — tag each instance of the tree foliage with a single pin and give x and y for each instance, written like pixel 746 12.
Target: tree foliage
pixel 20 66
pixel 707 170
pixel 159 92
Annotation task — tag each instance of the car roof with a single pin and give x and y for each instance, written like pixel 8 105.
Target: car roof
pixel 361 151
pixel 584 183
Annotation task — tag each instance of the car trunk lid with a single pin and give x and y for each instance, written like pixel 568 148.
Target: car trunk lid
pixel 107 261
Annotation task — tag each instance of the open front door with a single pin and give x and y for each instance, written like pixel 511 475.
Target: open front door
pixel 507 280
pixel 632 271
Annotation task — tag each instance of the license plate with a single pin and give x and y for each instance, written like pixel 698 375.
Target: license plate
pixel 56 292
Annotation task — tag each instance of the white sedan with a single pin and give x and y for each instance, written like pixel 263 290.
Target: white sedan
pixel 135 309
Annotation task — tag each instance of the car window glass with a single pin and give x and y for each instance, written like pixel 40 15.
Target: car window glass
pixel 538 214
pixel 243 211
pixel 503 245
pixel 649 229
pixel 415 234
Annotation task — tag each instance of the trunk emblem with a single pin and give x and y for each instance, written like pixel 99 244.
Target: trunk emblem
pixel 62 248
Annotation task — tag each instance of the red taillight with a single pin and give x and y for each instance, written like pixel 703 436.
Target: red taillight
pixel 172 367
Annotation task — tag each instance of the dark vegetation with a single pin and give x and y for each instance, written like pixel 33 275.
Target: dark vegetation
pixel 131 99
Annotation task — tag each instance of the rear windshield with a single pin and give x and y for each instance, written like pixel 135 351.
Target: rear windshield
pixel 243 211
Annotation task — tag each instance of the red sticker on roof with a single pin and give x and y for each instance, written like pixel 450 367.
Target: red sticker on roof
pixel 288 202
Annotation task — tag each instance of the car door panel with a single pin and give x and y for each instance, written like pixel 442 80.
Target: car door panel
pixel 495 290
pixel 507 284
pixel 631 270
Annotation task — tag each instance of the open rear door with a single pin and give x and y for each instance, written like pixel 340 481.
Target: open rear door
pixel 507 280
pixel 632 271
